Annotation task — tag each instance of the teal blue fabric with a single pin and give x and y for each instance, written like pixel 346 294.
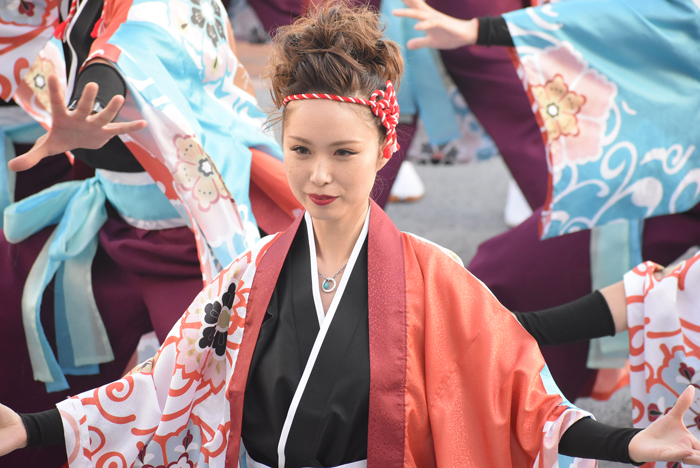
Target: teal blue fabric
pixel 551 388
pixel 26 131
pixel 422 89
pixel 173 87
pixel 614 249
pixel 78 208
pixel 641 83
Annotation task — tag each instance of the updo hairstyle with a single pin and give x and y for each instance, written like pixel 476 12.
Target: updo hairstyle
pixel 335 49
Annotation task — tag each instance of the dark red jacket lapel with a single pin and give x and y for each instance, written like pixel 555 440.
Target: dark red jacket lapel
pixel 264 282
pixel 387 342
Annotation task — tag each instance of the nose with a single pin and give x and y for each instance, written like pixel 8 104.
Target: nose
pixel 321 173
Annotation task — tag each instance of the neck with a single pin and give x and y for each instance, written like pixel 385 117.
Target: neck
pixel 336 239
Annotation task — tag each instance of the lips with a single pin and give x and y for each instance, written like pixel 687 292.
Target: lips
pixel 321 200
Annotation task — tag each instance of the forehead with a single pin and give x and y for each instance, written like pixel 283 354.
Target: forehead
pixel 323 118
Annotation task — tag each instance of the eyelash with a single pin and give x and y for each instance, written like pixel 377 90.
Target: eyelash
pixel 340 152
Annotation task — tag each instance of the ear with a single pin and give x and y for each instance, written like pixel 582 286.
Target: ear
pixel 382 162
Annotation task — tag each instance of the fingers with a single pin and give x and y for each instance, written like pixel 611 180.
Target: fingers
pixel 427 24
pixel 412 13
pixel 86 102
pixel 27 160
pixel 690 457
pixel 417 4
pixel 56 99
pixel 418 43
pixel 121 128
pixel 683 403
pixel 108 114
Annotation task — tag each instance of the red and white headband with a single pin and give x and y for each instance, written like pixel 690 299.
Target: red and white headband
pixel 383 105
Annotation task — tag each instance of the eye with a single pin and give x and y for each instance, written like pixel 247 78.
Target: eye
pixel 300 149
pixel 345 153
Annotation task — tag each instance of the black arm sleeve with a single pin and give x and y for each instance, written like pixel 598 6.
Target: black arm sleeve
pixel 43 429
pixel 582 319
pixel 114 155
pixel 494 31
pixel 107 78
pixel 588 438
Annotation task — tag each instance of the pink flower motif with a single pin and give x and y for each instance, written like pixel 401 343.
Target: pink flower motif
pixel 195 173
pixel 38 78
pixel 574 104
pixel 189 356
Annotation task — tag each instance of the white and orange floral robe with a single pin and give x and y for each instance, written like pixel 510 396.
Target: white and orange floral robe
pixel 454 379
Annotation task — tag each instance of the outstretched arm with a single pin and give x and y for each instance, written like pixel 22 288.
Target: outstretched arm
pixel 601 313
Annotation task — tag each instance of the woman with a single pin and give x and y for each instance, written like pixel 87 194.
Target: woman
pixel 341 342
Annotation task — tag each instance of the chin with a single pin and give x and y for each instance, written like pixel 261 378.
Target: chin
pixel 323 213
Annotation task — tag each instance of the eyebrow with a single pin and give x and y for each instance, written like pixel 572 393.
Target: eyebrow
pixel 335 143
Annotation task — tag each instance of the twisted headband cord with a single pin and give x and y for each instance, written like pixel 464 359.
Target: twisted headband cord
pixel 382 103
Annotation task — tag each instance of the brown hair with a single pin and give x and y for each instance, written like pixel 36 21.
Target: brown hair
pixel 335 49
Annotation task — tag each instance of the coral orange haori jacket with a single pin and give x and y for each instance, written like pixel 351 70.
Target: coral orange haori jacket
pixel 454 380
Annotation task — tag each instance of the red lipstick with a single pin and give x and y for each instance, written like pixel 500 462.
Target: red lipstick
pixel 322 200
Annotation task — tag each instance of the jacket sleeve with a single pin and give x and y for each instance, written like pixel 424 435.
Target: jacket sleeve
pixel 173 407
pixel 491 398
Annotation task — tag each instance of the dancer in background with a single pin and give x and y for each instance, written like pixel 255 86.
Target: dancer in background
pixel 151 213
pixel 660 310
pixel 615 152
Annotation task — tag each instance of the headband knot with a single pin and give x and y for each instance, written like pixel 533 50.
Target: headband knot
pixel 382 103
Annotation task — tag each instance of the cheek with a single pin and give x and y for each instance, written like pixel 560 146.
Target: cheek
pixel 293 174
pixel 359 179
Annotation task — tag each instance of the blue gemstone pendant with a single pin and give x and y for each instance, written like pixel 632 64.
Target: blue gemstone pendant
pixel 328 285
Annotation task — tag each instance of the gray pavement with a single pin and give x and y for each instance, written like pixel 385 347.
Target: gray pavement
pixel 462 207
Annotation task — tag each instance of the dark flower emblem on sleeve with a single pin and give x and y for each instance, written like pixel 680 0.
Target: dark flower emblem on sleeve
pixel 218 314
pixel 206 14
pixel 197 17
pixel 211 32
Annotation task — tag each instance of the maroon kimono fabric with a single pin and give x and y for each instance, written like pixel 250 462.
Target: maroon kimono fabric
pixel 527 274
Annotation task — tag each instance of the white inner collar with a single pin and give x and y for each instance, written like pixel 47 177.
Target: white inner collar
pixel 346 274
pixel 324 321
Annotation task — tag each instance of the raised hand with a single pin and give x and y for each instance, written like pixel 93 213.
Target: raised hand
pixel 667 438
pixel 442 31
pixel 13 435
pixel 76 128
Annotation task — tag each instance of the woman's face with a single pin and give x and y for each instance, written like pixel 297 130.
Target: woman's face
pixel 331 155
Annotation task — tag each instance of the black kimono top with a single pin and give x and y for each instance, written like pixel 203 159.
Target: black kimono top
pixel 307 396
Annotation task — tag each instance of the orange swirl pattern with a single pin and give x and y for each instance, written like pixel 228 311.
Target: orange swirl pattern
pixel 664 329
pixel 182 393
